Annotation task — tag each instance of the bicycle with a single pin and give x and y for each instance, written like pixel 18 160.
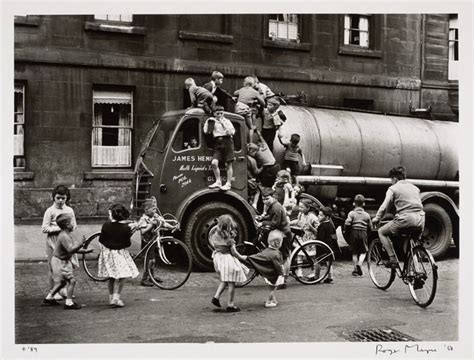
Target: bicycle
pixel 419 270
pixel 167 260
pixel 309 262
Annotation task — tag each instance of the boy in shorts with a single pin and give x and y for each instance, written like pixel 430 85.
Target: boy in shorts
pixel 222 132
pixel 61 264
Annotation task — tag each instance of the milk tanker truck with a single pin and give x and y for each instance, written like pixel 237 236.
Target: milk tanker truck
pixel 350 152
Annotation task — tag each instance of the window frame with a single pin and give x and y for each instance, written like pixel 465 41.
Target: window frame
pixel 129 92
pixel 304 32
pixel 374 48
pixel 453 47
pixel 23 122
pixel 134 27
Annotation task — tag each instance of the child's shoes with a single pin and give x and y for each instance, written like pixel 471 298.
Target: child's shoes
pixel 232 309
pixel 118 303
pixel 215 302
pixel 51 302
pixel 271 304
pixel 216 185
pixel 73 306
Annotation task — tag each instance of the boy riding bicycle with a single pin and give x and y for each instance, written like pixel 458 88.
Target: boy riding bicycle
pixel 405 197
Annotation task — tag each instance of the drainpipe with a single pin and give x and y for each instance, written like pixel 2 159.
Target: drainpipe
pixel 422 57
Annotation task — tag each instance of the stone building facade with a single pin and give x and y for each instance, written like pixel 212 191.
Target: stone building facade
pixel 87 88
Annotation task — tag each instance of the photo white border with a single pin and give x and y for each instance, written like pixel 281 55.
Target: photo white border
pixel 463 347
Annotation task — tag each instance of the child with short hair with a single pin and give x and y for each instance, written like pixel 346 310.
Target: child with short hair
pixel 223 132
pixel 284 191
pixel 60 196
pixel 269 264
pixel 308 221
pixel 226 260
pixel 247 100
pixel 293 152
pixel 200 96
pixel 115 261
pixel 61 264
pixel 327 234
pixel 357 226
pixel 272 120
pixel 276 218
pixel 149 224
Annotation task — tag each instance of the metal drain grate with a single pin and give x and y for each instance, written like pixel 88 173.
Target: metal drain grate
pixel 376 334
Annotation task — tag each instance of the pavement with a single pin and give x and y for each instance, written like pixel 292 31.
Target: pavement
pixel 306 313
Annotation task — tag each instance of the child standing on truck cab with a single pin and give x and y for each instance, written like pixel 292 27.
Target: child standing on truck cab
pixel 327 234
pixel 226 260
pixel 291 160
pixel 357 225
pixel 222 132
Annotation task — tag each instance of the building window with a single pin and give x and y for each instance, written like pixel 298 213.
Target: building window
pixel 360 35
pixel 119 18
pixel 19 128
pixel 210 28
pixel 284 27
pixel 112 129
pixel 356 30
pixel 453 47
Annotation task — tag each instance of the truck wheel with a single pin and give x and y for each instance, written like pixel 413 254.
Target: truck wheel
pixel 200 223
pixel 438 230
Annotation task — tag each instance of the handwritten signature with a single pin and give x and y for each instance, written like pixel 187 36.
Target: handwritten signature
pixel 409 349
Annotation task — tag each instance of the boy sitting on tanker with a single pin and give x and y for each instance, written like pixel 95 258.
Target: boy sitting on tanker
pixel 200 97
pixel 222 130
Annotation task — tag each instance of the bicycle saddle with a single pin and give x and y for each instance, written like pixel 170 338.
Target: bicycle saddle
pixel 413 232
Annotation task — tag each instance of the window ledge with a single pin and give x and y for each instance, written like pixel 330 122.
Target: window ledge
pixel 23 175
pixel 191 35
pixel 29 20
pixel 99 26
pixel 359 51
pixel 279 44
pixel 108 175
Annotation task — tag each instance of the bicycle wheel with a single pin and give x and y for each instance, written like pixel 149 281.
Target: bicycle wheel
pixel 422 276
pixel 381 276
pixel 90 261
pixel 247 248
pixel 169 265
pixel 310 263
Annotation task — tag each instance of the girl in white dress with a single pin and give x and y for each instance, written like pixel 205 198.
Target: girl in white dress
pixel 225 258
pixel 115 261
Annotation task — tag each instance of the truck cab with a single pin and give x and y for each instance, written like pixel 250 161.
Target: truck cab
pixel 178 173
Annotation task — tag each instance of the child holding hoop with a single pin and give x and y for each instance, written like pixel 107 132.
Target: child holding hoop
pixel 115 261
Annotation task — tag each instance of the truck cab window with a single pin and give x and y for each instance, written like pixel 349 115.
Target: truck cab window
pixel 187 136
pixel 237 136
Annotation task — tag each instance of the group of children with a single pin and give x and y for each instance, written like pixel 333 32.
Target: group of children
pixel 116 264
pixel 114 261
pixel 254 101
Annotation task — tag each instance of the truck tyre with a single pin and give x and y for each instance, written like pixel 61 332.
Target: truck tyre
pixel 200 223
pixel 438 230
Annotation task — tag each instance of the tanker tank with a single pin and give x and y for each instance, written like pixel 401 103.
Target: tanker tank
pixel 368 144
